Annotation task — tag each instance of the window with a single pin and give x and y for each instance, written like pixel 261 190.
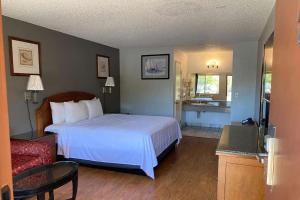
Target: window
pixel 229 87
pixel 207 84
pixel 268 83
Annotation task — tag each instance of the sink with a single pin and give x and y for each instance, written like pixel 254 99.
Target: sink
pixel 202 99
pixel 200 104
pixel 205 103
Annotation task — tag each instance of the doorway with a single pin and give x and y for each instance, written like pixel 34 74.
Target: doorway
pixel 178 92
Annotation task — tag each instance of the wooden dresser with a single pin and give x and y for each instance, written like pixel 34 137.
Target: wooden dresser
pixel 240 175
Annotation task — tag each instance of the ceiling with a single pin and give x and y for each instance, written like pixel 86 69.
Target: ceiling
pixel 148 23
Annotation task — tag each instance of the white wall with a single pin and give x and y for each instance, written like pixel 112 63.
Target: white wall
pixel 156 97
pixel 268 30
pixel 244 80
pixel 207 119
pixel 197 62
pixel 181 57
pixel 241 62
pixel 146 97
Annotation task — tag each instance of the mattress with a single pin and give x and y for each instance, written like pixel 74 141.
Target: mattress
pixel 118 139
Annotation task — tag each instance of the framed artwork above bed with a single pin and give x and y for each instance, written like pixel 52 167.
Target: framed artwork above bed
pixel 102 66
pixel 155 66
pixel 25 57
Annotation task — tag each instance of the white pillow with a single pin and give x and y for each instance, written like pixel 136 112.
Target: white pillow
pixel 58 112
pixel 94 107
pixel 75 112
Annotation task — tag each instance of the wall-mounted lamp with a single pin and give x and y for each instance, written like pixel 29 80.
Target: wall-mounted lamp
pixel 108 84
pixel 213 64
pixel 34 85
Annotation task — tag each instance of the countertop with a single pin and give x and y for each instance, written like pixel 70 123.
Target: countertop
pixel 206 106
pixel 238 140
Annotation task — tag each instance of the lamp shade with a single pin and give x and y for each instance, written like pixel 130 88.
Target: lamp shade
pixel 35 83
pixel 110 82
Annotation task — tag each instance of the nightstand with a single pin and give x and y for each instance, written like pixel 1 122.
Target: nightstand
pixel 32 136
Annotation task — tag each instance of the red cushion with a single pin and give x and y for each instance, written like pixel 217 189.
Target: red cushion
pixel 22 162
pixel 32 148
pixel 28 154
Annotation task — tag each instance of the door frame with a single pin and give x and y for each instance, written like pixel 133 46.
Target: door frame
pixel 176 102
pixel 5 153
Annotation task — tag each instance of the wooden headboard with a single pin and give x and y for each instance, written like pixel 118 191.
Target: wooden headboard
pixel 43 113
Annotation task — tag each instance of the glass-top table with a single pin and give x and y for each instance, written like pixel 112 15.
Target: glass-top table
pixel 40 180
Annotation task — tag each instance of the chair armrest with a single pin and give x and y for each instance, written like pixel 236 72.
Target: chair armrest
pixel 32 148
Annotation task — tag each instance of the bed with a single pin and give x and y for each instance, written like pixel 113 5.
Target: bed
pixel 115 140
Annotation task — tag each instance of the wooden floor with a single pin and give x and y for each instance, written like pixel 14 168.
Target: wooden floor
pixel 188 173
pixel 203 132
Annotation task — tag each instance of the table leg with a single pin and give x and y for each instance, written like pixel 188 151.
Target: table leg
pixel 51 195
pixel 75 185
pixel 41 196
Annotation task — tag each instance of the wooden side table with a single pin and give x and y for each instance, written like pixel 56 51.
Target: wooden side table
pixel 33 136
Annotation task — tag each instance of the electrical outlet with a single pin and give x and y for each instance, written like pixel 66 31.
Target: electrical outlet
pixel 27 96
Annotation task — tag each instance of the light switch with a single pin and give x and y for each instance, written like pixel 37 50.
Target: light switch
pixel 236 94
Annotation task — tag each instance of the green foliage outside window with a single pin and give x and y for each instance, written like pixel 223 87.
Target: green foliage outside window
pixel 208 84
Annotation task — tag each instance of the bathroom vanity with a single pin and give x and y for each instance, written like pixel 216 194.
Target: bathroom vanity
pixel 206 113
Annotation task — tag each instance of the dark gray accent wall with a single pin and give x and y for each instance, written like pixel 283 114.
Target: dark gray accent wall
pixel 68 63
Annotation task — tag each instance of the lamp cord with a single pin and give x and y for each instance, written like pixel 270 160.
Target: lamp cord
pixel 29 118
pixel 104 109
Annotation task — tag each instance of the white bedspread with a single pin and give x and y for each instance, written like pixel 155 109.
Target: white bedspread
pixel 119 139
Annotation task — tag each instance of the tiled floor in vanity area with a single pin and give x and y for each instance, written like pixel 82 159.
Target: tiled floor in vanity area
pixel 202 132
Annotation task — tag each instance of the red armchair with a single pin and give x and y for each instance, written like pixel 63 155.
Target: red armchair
pixel 27 154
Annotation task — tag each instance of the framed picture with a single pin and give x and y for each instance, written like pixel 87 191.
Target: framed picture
pixel 25 57
pixel 155 66
pixel 102 66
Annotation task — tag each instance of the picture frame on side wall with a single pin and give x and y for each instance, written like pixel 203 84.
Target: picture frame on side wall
pixel 25 57
pixel 103 66
pixel 156 66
